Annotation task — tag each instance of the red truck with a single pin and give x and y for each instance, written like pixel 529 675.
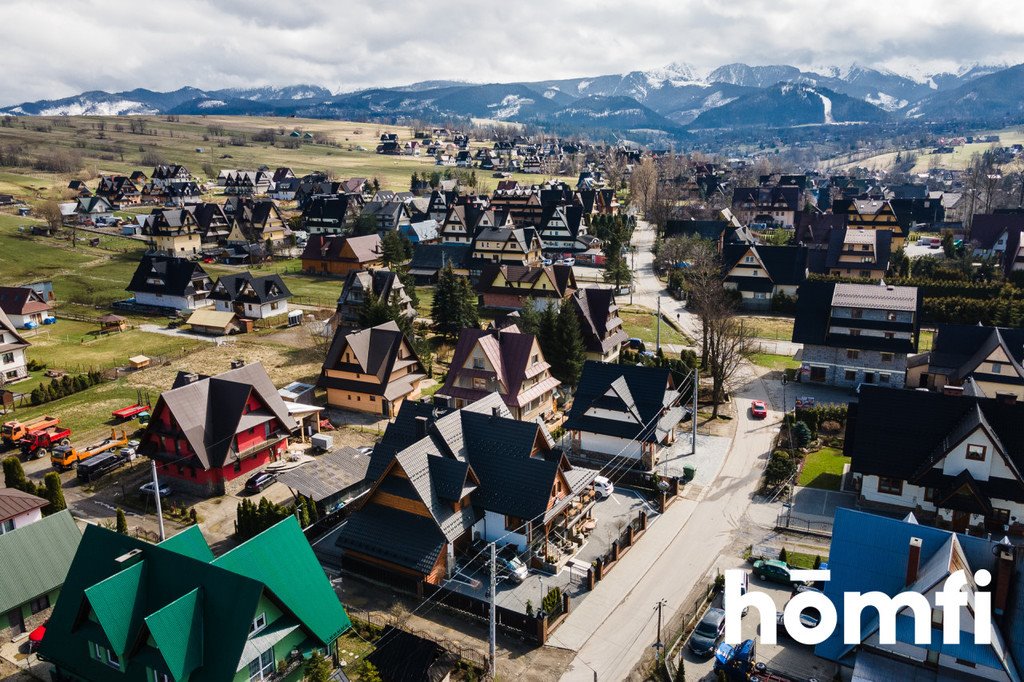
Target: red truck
pixel 38 444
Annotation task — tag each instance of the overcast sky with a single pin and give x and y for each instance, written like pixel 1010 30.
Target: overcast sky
pixel 62 48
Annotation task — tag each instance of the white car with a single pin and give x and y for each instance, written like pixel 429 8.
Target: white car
pixel 569 261
pixel 603 487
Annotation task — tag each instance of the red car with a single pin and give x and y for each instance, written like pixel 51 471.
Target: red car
pixel 758 409
pixel 36 636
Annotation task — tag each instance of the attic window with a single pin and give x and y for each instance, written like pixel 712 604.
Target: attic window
pixel 258 623
pixel 976 452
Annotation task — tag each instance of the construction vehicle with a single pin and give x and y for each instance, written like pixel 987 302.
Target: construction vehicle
pixel 38 444
pixel 64 456
pixel 13 431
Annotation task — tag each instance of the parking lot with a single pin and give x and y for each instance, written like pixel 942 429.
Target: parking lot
pixel 814 509
pixel 611 514
pixel 786 656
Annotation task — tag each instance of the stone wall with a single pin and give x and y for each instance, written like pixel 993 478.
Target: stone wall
pixel 837 365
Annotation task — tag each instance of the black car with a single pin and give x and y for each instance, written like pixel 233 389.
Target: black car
pixel 258 482
pixel 707 633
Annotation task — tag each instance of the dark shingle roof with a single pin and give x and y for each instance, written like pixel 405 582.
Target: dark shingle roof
pixel 173 276
pixel 964 347
pixel 785 265
pixel 14 502
pixel 247 288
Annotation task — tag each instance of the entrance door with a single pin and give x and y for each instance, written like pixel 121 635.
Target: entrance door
pixel 818 374
pixel 16 620
pixel 960 521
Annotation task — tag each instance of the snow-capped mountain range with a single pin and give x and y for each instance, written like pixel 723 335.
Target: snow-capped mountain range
pixel 671 99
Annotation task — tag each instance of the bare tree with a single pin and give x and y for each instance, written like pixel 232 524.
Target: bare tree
pixel 49 210
pixel 643 184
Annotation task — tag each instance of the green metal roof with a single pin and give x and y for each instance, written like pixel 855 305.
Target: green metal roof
pixel 34 559
pixel 282 559
pixel 177 630
pixel 191 543
pixel 117 603
pixel 197 613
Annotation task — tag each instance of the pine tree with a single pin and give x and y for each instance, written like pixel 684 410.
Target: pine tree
pixel 454 306
pixel 547 330
pixel 318 668
pixel 392 251
pixel 122 522
pixel 529 318
pixel 570 353
pixel 14 476
pixel 54 493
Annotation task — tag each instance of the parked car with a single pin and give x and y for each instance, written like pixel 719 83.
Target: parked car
pixel 546 261
pixel 758 409
pixel 707 633
pixel 773 570
pixel 636 344
pixel 603 487
pixel 569 261
pixel 258 482
pixel 509 564
pixel 147 489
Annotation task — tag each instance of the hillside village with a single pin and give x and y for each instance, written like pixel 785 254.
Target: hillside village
pixel 312 423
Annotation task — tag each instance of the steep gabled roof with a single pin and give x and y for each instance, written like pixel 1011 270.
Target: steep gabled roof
pixel 784 265
pixel 375 352
pixel 963 349
pixel 34 559
pixel 598 314
pixel 248 288
pixel 165 275
pixel 21 301
pixel 14 502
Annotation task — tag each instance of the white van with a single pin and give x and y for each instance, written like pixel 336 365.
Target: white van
pixel 603 487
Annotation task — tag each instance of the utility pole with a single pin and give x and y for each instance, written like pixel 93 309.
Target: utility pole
pixel 696 387
pixel 492 625
pixel 156 494
pixel 657 343
pixel 658 645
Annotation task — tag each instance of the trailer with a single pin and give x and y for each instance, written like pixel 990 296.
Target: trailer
pixel 13 431
pixel 100 465
pixel 38 444
pixel 126 413
pixel 64 456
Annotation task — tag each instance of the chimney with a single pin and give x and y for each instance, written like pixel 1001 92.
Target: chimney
pixel 190 377
pixel 1003 579
pixel 1007 398
pixel 913 560
pixel 952 390
pixel 495 412
pixel 421 426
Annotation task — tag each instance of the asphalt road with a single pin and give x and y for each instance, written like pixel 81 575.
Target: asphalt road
pixel 684 546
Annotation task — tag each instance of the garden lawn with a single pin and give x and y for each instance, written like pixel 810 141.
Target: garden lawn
pixel 641 323
pixel 777 328
pixel 823 469
pixel 78 347
pixel 87 413
pixel 802 559
pixel 776 362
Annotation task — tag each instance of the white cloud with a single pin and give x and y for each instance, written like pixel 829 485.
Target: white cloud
pixel 60 49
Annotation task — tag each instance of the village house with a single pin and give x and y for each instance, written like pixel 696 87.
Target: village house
pixel 329 214
pixel 25 307
pixel 209 434
pixel 387 215
pixel 772 206
pixel 89 209
pixel 504 361
pixel 257 222
pixel 214 225
pixel 119 190
pixel 624 411
pixel 18 509
pixel 429 259
pixel 508 287
pixel 336 255
pixel 959 467
pixel 761 273
pixel 247 183
pixel 560 228
pixel 255 298
pixel 442 479
pixel 137 611
pixel 871 214
pixel 168 282
pixel 984 361
pixel 999 235
pixel 505 245
pixel 174 232
pixel 13 366
pixel 860 254
pixel 856 334
pixel 35 557
pixel 361 285
pixel 169 173
pixel 888 557
pixel 373 370
pixel 600 324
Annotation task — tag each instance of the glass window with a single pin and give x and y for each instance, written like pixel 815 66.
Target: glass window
pixel 887 357
pixel 976 452
pixel 258 623
pixel 6 526
pixel 39 604
pixel 850 375
pixel 890 486
pixel 262 667
pixel 852 353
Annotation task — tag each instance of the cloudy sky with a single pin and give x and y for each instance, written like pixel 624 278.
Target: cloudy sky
pixel 62 48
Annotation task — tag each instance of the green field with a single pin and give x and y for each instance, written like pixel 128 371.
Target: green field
pixel 775 362
pixel 641 323
pixel 823 469
pixel 777 328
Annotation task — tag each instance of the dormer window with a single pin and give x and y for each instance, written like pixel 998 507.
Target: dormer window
pixel 258 623
pixel 976 452
pixel 997 367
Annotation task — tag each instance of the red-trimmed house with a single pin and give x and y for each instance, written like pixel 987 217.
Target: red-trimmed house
pixel 209 434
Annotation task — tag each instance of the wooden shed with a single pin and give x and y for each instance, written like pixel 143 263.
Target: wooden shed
pixel 139 361
pixel 113 323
